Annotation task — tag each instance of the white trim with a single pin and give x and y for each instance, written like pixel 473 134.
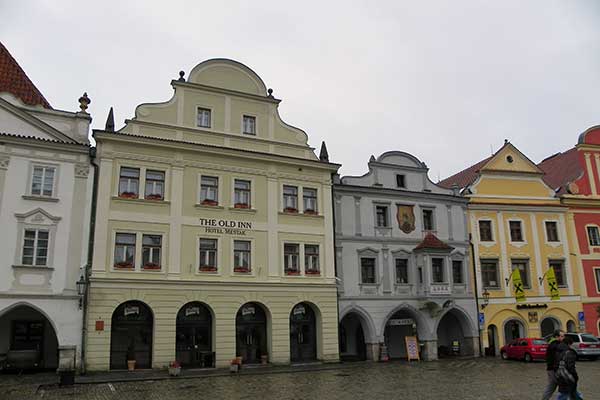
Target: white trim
pixel 523 232
pixel 503 262
pixel 249 178
pixel 212 113
pixel 219 261
pixel 252 115
pixel 253 267
pixel 590 171
pixel 558 233
pixel 486 243
pixel 219 177
pixel 537 252
pixel 32 165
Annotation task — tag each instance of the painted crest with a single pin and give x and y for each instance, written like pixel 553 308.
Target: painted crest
pixel 406 218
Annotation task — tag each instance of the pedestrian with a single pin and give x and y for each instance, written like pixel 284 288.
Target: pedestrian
pixel 555 348
pixel 566 373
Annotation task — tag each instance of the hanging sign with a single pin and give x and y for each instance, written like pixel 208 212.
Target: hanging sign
pixel 130 310
pixel 249 310
pixel 406 218
pixel 518 285
pixel 192 311
pixel 299 310
pixel 412 348
pixel 401 321
pixel 552 284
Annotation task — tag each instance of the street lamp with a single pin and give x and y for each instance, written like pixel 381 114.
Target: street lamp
pixel 81 284
pixel 486 299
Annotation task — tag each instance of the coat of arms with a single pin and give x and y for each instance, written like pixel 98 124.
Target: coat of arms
pixel 406 218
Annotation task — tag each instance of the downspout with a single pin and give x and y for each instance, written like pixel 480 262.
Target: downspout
pixel 90 253
pixel 335 266
pixel 476 292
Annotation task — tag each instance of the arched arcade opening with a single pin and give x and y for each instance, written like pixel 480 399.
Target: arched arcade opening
pixel 303 333
pixel 453 335
pixel 194 342
pixel 353 346
pixel 548 326
pixel 131 334
pixel 251 333
pixel 401 324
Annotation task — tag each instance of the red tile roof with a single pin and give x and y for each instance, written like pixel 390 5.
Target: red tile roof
pixel 430 241
pixel 465 177
pixel 14 80
pixel 561 168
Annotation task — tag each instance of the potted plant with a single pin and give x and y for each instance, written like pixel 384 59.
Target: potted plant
pixel 208 268
pixel 310 212
pixel 124 265
pixel 154 196
pixel 209 202
pixel 235 365
pixel 290 210
pixel 241 269
pixel 130 357
pixel 151 265
pixel 264 359
pixel 174 368
pixel 128 195
pixel 241 205
pixel 292 272
pixel 313 272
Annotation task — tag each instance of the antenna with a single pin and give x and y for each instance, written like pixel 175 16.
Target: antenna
pixel 491 149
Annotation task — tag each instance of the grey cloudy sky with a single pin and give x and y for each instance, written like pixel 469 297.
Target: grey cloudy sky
pixel 444 80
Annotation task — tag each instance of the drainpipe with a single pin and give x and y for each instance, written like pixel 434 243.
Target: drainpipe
pixel 476 291
pixel 88 265
pixel 335 266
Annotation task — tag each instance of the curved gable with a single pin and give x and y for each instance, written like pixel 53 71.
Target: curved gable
pixel 400 158
pixel 228 74
pixel 591 136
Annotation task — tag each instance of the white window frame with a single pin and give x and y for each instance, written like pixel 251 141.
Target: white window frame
pixel 161 251
pixel 199 254
pixel 298 197
pixel 587 233
pixel 523 242
pixel 210 116
pixel 219 187
pixel 306 260
pixel 252 256
pixel 433 219
pixel 164 182
pixel 243 125
pixel 34 256
pixel 387 215
pixel 299 255
pixel 136 257
pixel 45 166
pixel 316 199
pixel 547 241
pixel 251 194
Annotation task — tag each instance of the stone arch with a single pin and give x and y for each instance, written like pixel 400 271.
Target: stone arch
pixel 132 335
pixel 463 316
pixel 395 334
pixel 9 308
pixel 195 335
pixel 509 332
pixel 306 332
pixel 423 328
pixel 252 334
pixel 549 324
pixel 368 325
pixel 454 332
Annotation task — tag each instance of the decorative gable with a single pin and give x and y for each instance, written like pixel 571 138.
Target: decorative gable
pixel 38 217
pixel 510 159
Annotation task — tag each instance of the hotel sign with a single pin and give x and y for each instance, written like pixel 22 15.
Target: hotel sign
pixel 225 226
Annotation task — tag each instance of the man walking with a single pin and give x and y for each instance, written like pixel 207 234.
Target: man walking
pixel 553 353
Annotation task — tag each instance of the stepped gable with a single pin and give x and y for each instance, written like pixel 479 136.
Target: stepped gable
pixel 431 242
pixel 465 177
pixel 561 168
pixel 15 81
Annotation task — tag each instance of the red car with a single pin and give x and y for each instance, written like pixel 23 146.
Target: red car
pixel 527 349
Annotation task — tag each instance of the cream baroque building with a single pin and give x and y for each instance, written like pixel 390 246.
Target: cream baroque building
pixel 214 232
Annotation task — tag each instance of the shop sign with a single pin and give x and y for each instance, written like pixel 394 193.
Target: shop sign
pixel 401 321
pixel 249 310
pixel 192 311
pixel 130 310
pixel 412 348
pixel 299 310
pixel 225 226
pixel 100 325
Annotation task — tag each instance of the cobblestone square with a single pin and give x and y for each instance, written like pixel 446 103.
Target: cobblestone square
pixel 446 379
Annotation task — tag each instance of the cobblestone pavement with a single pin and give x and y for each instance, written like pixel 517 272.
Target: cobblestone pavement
pixel 447 379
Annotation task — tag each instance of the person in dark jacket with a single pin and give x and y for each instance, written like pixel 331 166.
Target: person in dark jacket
pixel 555 348
pixel 567 389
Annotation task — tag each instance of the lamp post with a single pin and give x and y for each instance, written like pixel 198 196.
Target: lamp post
pixel 81 285
pixel 486 299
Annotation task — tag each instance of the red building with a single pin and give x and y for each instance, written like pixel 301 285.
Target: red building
pixel 575 174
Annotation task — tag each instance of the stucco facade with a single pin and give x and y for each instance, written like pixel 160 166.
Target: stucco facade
pixel 403 261
pixel 242 231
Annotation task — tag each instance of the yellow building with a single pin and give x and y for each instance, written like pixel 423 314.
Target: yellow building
pixel 213 234
pixel 517 222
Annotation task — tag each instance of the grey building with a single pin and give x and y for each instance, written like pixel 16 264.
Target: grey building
pixel 403 263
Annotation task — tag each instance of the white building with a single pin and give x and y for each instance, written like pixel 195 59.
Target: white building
pixel 45 203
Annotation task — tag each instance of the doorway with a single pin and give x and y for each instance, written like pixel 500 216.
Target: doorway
pixel 251 333
pixel 131 335
pixel 492 341
pixel 303 334
pixel 193 346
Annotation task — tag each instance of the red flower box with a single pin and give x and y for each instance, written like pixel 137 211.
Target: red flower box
pixel 241 269
pixel 311 212
pixel 124 265
pixel 313 272
pixel 153 266
pixel 207 268
pixel 292 272
pixel 209 202
pixel 175 364
pixel 128 195
pixel 154 197
pixel 290 210
pixel 241 205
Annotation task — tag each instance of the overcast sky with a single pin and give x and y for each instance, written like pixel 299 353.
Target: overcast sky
pixel 444 80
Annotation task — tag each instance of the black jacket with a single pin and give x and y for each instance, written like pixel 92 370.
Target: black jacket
pixel 555 349
pixel 570 358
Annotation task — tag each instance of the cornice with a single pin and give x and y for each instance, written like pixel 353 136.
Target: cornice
pixel 175 83
pixel 180 284
pixel 30 142
pixel 398 194
pixel 517 207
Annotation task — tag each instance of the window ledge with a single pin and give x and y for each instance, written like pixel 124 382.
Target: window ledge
pixel 368 284
pixel 242 210
pixel 207 207
pixel 142 201
pixel 299 214
pixel 40 198
pixel 37 267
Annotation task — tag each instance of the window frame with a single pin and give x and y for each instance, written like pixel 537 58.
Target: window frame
pixel 128 194
pixel 315 198
pixel 34 255
pixel 241 269
pixel 386 215
pixel 153 196
pixel 248 192
pixel 433 222
pixel 443 272
pixel 288 257
pixel 597 229
pixel 315 256
pixel 597 276
pixel 462 271
pixel 207 268
pixel 496 263
pixel 368 257
pixel 124 267
pixel 521 229
pixel 284 196
pixel 563 274
pixel 210 119
pixel 217 188
pixel 401 183
pixel 558 238
pixel 406 265
pixel 527 284
pixel 481 239
pixel 152 265
pixel 44 167
pixel 253 118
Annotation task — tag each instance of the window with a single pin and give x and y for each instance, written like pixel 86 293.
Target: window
pixel 35 247
pixel 401 270
pixel 428 220
pixel 516 233
pixel 489 274
pixel 310 200
pixel 551 231
pixel 522 266
pixel 208 255
pixel 593 235
pixel 367 270
pixel 125 250
pixel 291 259
pixel 457 271
pixel 485 231
pixel 151 249
pixel 129 182
pixel 559 272
pixel 597 273
pixel 249 125
pixel 437 270
pixel 311 259
pixel 290 198
pixel 209 190
pixel 155 185
pixel 400 181
pixel 241 256
pixel 381 213
pixel 204 117
pixel 42 181
pixel 242 193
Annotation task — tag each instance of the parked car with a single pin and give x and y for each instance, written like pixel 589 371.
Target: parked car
pixel 527 349
pixel 585 345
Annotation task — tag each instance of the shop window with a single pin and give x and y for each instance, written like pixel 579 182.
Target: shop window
pixel 291 259
pixel 129 182
pixel 155 185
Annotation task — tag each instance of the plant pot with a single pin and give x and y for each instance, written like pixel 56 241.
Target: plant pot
pixel 174 371
pixel 264 359
pixel 234 368
pixel 239 360
pixel 130 365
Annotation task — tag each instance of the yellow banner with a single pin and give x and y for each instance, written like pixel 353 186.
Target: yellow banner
pixel 552 284
pixel 518 285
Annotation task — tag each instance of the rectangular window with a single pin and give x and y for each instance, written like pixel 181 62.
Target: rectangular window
pixel 485 231
pixel 457 271
pixel 428 220
pixel 208 255
pixel 489 274
pixel 593 235
pixel 597 273
pixel 241 193
pixel 204 117
pixel 151 249
pixel 129 182
pixel 42 181
pixel 551 231
pixel 291 259
pixel 401 270
pixel 437 270
pixel 400 181
pixel 523 267
pixel 516 233
pixel 209 190
pixel 125 250
pixel 290 198
pixel 311 259
pixel 241 256
pixel 35 247
pixel 367 270
pixel 155 185
pixel 381 213
pixel 559 271
pixel 310 201
pixel 249 125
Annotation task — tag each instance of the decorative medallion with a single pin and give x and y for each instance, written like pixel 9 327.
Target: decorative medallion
pixel 406 218
pixel 573 188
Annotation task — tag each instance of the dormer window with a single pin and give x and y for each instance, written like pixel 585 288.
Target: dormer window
pixel 401 181
pixel 249 125
pixel 203 117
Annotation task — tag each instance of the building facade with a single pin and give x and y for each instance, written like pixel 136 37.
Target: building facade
pixel 575 176
pixel 517 222
pixel 45 197
pixel 214 234
pixel 403 261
